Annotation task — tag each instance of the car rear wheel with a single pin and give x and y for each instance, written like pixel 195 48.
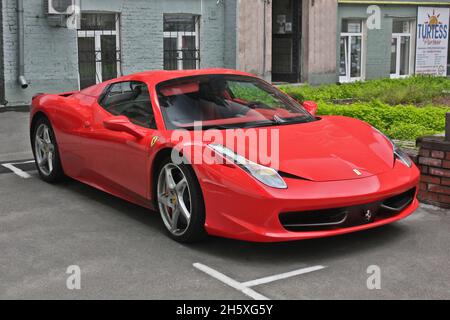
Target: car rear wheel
pixel 180 202
pixel 45 150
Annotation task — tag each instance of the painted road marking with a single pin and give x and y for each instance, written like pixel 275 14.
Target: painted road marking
pixel 12 166
pixel 244 287
pixel 230 282
pixel 285 275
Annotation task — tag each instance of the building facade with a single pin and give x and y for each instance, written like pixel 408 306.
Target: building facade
pixel 287 41
pixel 329 41
pixel 114 38
pixel 382 39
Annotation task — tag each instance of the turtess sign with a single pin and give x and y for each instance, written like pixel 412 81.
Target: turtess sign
pixel 432 41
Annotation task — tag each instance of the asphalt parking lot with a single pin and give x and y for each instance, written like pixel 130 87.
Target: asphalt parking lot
pixel 122 250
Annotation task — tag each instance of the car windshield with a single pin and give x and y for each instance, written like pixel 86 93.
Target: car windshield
pixel 225 102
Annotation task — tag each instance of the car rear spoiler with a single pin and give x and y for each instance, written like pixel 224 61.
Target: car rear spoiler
pixel 63 94
pixel 67 94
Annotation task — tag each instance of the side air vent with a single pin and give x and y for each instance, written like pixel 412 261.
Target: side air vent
pixel 400 202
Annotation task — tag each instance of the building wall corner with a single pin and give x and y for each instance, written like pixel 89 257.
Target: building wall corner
pixel 254 37
pixel 319 28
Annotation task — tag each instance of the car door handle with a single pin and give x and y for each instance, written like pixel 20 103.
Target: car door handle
pixel 86 124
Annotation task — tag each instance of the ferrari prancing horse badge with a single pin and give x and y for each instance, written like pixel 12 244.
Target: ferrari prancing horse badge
pixel 154 141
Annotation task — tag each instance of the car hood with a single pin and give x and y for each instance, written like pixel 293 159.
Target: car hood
pixel 334 148
pixel 329 149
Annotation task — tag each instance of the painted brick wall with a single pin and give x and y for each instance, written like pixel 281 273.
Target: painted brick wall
pixel 50 53
pixel 213 34
pixel 142 23
pixel 230 45
pixel 51 56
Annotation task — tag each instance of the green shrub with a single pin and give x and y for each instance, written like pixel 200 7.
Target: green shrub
pixel 408 131
pixel 401 108
pixel 413 90
pixel 402 122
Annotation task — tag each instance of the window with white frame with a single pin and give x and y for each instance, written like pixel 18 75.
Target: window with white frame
pixel 351 51
pixel 402 49
pixel 98 48
pixel 181 42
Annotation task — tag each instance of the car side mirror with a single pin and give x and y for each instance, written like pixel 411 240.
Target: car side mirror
pixel 311 107
pixel 122 124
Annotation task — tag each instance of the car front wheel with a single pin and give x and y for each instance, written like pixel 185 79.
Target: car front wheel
pixel 180 202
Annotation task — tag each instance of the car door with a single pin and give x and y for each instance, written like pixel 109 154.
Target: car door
pixel 119 160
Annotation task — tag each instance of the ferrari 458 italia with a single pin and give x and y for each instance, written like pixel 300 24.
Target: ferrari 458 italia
pixel 331 175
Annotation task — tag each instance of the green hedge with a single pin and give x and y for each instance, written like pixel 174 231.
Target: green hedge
pixel 413 90
pixel 401 108
pixel 398 122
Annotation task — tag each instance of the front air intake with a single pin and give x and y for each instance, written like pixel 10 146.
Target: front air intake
pixel 337 218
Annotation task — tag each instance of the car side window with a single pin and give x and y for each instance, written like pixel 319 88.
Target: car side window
pixel 132 100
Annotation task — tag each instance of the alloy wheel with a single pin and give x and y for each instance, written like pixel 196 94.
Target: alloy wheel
pixel 44 149
pixel 174 199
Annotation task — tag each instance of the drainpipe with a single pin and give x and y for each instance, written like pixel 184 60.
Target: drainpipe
pixel 2 61
pixel 21 46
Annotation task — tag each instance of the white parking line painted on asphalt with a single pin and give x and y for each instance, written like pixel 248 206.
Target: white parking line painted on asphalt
pixel 285 275
pixel 23 162
pixel 230 282
pixel 17 171
pixel 244 287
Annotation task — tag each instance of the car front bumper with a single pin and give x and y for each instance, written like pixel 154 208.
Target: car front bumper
pixel 241 209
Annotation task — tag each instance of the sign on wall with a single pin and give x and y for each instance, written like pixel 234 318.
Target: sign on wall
pixel 432 40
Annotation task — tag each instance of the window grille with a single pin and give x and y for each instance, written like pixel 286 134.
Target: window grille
pixel 181 42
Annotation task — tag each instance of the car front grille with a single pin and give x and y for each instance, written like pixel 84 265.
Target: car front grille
pixel 337 218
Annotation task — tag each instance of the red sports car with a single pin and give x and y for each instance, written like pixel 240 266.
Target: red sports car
pixel 326 176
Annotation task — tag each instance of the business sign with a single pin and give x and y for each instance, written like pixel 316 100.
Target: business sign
pixel 432 41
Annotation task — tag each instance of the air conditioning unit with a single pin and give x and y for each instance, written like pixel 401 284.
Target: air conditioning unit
pixel 59 11
pixel 64 7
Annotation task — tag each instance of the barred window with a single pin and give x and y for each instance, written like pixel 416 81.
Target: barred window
pixel 181 42
pixel 96 21
pixel 99 55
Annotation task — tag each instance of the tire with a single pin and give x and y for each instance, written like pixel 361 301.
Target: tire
pixel 184 231
pixel 43 144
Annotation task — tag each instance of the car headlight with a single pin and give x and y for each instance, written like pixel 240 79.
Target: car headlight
pixel 402 155
pixel 266 175
pixel 398 153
